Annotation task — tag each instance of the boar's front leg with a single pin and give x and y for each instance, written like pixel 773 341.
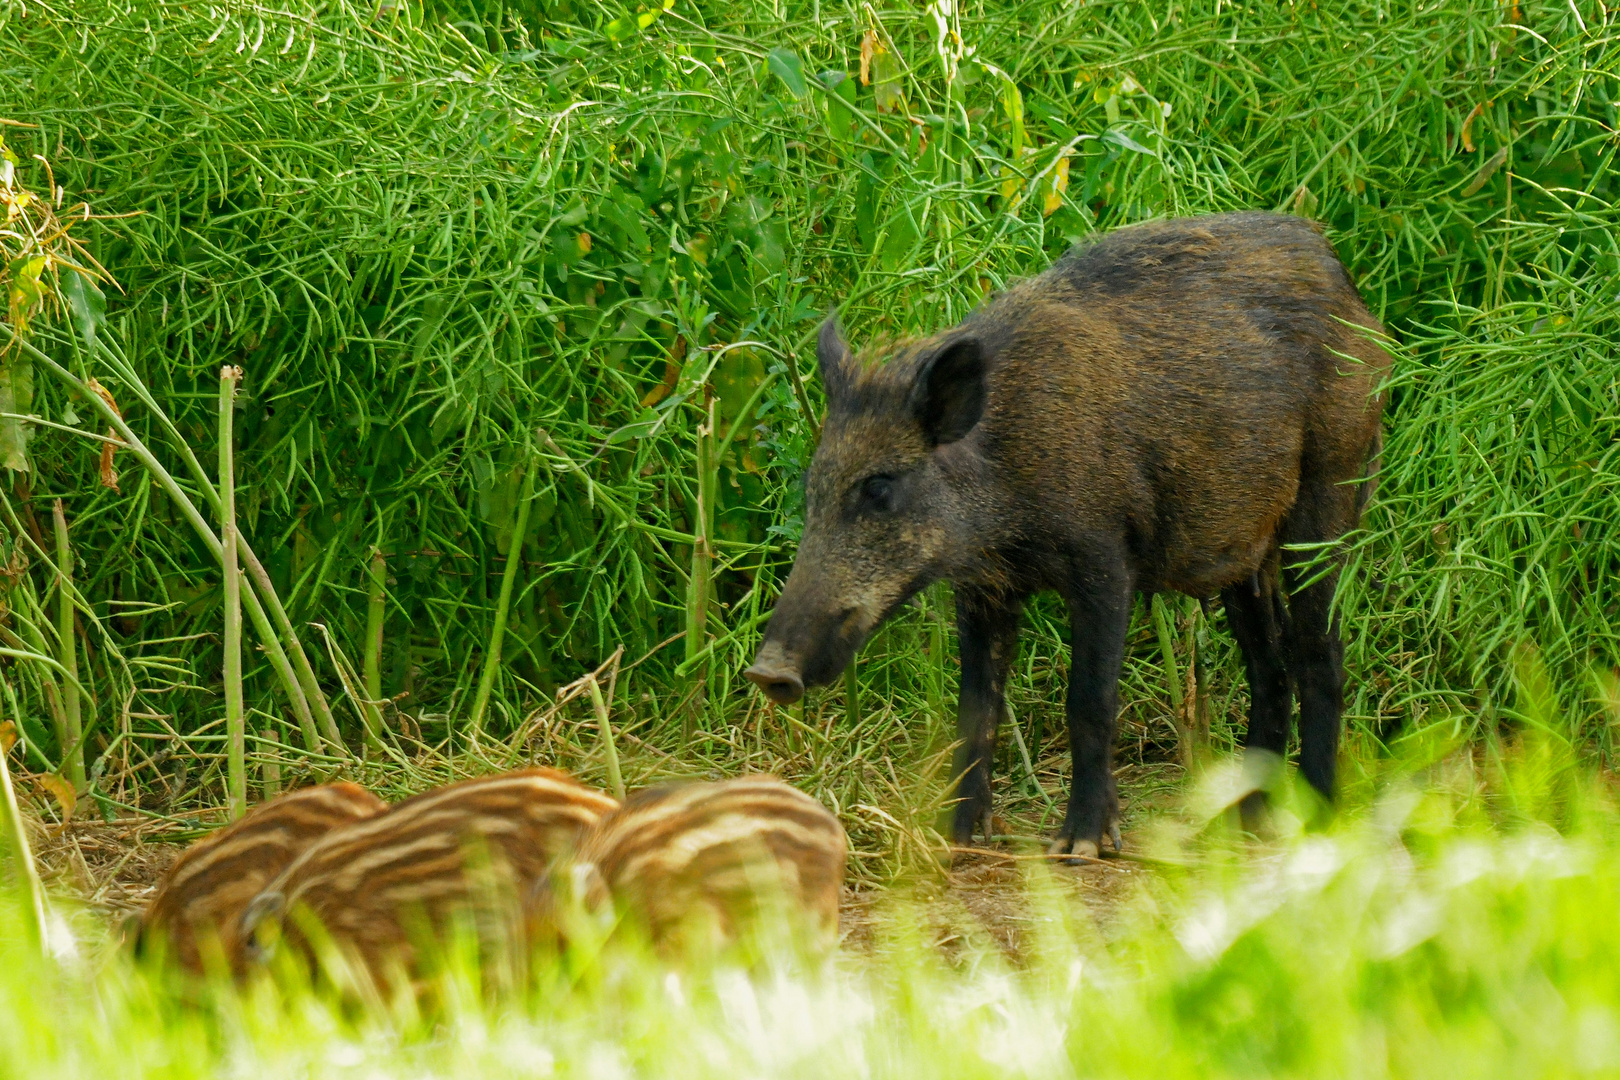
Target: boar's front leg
pixel 987 632
pixel 1099 613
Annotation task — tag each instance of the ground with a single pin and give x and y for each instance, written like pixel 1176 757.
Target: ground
pixel 114 867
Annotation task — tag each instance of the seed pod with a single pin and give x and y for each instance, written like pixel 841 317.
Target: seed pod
pixel 199 903
pixel 384 894
pixel 701 864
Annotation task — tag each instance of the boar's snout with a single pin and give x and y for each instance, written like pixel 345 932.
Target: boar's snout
pixel 775 673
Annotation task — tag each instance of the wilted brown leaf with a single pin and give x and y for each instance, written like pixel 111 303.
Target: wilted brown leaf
pixel 109 476
pixel 1468 126
pixel 672 374
pixel 868 48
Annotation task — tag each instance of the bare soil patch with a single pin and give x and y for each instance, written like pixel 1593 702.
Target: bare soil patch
pixel 114 867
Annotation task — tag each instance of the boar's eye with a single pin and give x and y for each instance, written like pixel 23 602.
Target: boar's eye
pixel 877 493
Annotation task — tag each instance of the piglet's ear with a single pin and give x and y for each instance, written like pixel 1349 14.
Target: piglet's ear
pixel 832 356
pixel 950 392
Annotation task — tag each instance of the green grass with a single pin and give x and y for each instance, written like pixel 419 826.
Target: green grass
pixel 382 216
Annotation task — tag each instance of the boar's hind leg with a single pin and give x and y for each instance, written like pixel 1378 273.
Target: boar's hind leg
pixel 987 632
pixel 1324 511
pixel 1099 612
pixel 1256 617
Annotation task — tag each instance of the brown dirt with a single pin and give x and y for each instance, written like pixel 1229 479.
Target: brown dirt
pixel 114 867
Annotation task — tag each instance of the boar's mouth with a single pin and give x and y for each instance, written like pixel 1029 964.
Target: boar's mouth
pixel 795 658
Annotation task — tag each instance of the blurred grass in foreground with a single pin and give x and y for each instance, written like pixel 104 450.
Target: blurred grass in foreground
pixel 1461 922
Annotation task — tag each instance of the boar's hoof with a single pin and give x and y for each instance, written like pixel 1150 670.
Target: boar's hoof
pixel 781 686
pixel 1076 849
pixel 1087 849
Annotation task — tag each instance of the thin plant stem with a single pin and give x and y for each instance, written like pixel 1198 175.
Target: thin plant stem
pixel 235 731
pixel 270 769
pixel 1172 678
pixel 376 608
pixel 295 684
pixel 615 779
pixel 67 652
pixel 17 837
pixel 697 586
pixel 371 718
pixel 1023 753
pixel 503 603
pixel 852 691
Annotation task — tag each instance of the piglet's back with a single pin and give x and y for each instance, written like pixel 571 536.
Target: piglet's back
pixel 717 858
pixel 380 888
pixel 206 891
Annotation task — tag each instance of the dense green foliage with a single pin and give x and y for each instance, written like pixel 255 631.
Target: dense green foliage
pixel 448 245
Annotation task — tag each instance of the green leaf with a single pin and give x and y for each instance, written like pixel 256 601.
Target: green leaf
pixel 1119 138
pixel 840 103
pixel 786 65
pixel 16 396
pixel 87 303
pixel 888 93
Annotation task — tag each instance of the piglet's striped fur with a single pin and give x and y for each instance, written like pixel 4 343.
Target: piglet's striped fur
pixel 700 864
pixel 199 903
pixel 381 891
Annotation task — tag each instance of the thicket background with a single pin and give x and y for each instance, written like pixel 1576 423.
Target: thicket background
pixel 448 244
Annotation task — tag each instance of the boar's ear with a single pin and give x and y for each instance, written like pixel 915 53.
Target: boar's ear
pixel 832 356
pixel 949 395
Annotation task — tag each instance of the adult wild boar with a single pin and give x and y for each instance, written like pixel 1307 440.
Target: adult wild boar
pixel 1165 408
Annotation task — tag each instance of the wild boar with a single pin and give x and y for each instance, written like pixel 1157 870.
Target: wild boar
pixel 1167 408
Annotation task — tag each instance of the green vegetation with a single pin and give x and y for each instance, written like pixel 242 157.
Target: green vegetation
pixel 559 266
pixel 523 299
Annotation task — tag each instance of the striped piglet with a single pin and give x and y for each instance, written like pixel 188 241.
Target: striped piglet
pixel 699 865
pixel 386 893
pixel 196 913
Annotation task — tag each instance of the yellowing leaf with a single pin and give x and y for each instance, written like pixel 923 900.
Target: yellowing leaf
pixel 1486 171
pixel 27 291
pixel 888 93
pixel 869 47
pixel 8 736
pixel 584 240
pixel 61 791
pixel 672 372
pixel 1058 184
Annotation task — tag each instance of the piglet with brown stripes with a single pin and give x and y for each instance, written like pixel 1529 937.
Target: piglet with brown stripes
pixel 698 865
pixel 197 909
pixel 385 894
